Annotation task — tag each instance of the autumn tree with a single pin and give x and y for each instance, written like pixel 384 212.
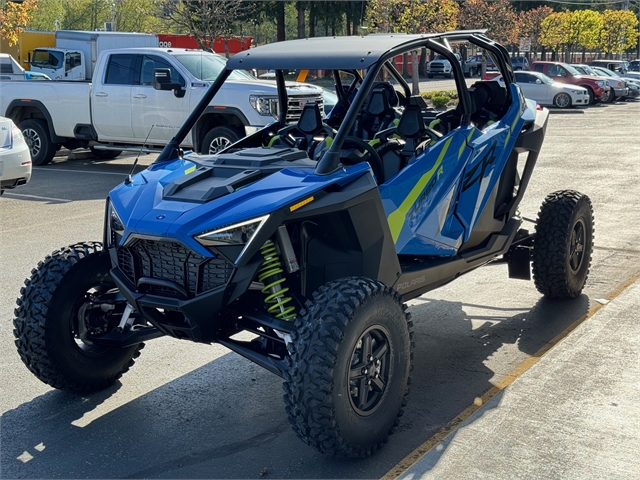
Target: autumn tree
pixel 13 18
pixel 530 25
pixel 554 31
pixel 498 17
pixel 204 19
pixel 619 31
pixel 584 31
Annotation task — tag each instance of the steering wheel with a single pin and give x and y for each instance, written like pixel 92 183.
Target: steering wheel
pixel 375 161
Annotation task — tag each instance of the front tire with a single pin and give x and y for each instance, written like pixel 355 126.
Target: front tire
pixel 563 244
pixel 592 96
pixel 217 139
pixel 562 100
pixel 349 367
pixel 36 135
pixel 46 323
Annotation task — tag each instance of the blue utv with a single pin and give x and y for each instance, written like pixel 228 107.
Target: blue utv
pixel 309 234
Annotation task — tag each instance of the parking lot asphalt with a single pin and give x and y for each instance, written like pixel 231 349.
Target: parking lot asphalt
pixel 198 411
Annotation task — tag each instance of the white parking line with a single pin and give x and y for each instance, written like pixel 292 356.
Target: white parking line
pixel 19 195
pixel 123 175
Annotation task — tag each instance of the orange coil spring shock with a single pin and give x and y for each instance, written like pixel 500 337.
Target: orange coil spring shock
pixel 270 275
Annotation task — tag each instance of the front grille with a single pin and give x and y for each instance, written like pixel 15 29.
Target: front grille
pixel 438 67
pixel 296 103
pixel 172 261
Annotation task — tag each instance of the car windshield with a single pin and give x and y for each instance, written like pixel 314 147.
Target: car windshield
pixel 589 71
pixel 608 73
pixel 545 79
pixel 571 70
pixel 47 59
pixel 208 66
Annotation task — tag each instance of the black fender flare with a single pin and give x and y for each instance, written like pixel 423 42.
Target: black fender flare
pixel 197 134
pixel 40 106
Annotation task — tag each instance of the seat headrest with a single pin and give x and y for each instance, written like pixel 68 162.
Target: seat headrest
pixel 389 91
pixel 489 95
pixel 310 122
pixel 378 103
pixel 411 124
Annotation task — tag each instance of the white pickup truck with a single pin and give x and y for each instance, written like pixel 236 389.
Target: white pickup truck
pixel 121 110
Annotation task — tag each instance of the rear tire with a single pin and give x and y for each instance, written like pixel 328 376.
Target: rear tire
pixel 36 134
pixel 349 367
pixel 46 323
pixel 105 154
pixel 218 138
pixel 563 244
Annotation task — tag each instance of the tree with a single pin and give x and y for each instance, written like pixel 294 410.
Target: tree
pixel 554 31
pixel 530 25
pixel 619 31
pixel 48 16
pixel 584 30
pixel 14 17
pixel 498 17
pixel 384 15
pixel 204 19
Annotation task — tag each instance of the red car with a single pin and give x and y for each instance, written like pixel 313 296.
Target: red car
pixel 563 72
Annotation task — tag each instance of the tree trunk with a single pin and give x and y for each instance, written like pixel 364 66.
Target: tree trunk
pixel 405 65
pixel 584 55
pixel 226 46
pixel 281 33
pixel 415 87
pixel 348 26
pixel 422 69
pixel 312 24
pixel 301 32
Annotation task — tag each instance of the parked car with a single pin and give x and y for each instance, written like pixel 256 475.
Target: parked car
pixel 633 84
pixel 15 160
pixel 520 63
pixel 634 66
pixel 545 91
pixel 440 66
pixel 597 87
pixel 474 65
pixel 618 87
pixel 615 65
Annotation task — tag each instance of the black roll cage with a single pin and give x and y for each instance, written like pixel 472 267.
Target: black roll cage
pixel 330 161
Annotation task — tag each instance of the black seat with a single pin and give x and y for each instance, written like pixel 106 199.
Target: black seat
pixel 378 112
pixel 412 129
pixel 309 133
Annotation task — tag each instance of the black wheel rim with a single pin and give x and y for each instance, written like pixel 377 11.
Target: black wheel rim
pixel 576 246
pixel 86 347
pixel 369 370
pixel 218 144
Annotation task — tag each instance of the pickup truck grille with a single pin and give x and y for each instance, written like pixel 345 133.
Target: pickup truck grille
pixel 436 67
pixel 172 261
pixel 296 103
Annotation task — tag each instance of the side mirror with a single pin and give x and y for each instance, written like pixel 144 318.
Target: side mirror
pixel 162 81
pixel 538 81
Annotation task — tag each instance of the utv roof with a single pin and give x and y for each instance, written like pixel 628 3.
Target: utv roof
pixel 337 53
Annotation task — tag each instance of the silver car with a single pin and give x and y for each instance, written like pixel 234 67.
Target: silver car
pixel 15 159
pixel 545 91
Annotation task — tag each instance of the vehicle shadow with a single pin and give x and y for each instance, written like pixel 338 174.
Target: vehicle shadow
pixel 226 418
pixel 565 111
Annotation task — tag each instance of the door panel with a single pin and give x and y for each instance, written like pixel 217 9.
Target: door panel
pixel 111 98
pixel 157 113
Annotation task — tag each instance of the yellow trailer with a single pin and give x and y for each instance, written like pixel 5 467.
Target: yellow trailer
pixel 27 42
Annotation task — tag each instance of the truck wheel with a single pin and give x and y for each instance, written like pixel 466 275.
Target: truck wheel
pixel 47 322
pixel 36 134
pixel 105 154
pixel 217 139
pixel 349 367
pixel 592 96
pixel 563 244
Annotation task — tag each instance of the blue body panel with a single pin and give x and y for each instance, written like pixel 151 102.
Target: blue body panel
pixel 144 212
pixel 432 205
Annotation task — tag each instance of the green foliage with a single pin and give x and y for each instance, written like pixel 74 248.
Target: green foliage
pixel 440 100
pixel 451 94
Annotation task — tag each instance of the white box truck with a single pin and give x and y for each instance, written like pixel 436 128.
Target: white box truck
pixel 76 52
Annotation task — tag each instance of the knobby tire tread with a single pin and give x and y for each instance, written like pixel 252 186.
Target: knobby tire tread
pixel 550 262
pixel 310 411
pixel 31 316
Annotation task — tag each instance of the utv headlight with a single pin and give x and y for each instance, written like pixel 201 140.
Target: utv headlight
pixel 267 106
pixel 115 226
pixel 237 234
